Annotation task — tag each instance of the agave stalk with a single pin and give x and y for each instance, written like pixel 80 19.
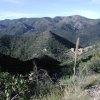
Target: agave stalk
pixel 75 59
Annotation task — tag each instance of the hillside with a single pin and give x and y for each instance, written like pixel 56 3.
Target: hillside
pixel 31 46
pixel 68 27
pixel 36 58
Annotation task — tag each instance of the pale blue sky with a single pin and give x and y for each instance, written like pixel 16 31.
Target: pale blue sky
pixel 12 9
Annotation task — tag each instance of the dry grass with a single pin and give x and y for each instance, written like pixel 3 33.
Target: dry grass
pixel 75 88
pixel 90 80
pixel 54 94
pixel 75 93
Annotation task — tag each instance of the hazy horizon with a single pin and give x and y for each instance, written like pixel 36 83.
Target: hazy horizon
pixel 14 9
pixel 45 17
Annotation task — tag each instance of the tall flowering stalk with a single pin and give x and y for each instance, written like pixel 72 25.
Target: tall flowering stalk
pixel 76 53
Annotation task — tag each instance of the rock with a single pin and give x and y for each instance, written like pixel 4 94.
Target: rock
pixel 94 92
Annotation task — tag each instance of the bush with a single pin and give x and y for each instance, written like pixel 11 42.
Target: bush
pixel 17 86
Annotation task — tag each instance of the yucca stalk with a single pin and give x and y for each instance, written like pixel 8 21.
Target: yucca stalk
pixel 75 59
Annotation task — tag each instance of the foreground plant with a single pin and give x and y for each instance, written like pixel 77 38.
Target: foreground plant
pixel 76 53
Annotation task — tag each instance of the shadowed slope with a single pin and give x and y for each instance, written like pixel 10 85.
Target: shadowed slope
pixel 15 66
pixel 28 47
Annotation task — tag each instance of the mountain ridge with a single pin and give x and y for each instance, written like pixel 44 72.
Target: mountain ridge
pixel 69 27
pixel 27 38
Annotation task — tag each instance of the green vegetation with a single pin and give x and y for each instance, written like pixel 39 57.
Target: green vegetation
pixel 16 86
pixel 36 62
pixel 39 85
pixel 28 47
pixel 67 27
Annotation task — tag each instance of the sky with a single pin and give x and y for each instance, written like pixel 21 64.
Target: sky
pixel 13 9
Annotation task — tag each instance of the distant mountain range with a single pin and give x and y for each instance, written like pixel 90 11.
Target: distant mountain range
pixel 68 27
pixel 27 38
